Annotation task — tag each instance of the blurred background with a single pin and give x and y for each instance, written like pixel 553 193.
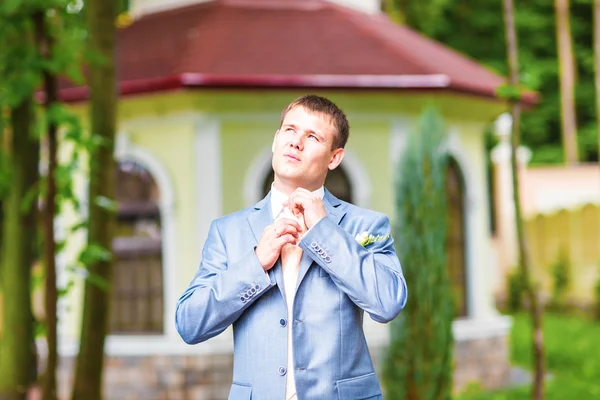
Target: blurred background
pixel 134 125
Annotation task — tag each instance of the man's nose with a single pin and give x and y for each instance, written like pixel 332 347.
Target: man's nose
pixel 297 142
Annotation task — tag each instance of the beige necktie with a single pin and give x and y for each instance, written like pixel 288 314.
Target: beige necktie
pixel 290 263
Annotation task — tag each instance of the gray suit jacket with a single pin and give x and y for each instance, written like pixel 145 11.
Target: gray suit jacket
pixel 339 279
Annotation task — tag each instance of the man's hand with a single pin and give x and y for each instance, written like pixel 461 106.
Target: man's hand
pixel 273 238
pixel 307 206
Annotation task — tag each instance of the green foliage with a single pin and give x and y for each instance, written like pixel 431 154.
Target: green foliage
pixel 419 361
pixel 597 300
pixel 106 204
pixel 475 28
pixel 89 276
pixel 572 350
pixel 422 15
pixel 21 67
pixel 572 353
pixel 510 92
pixel 93 254
pixel 561 280
pixel 516 288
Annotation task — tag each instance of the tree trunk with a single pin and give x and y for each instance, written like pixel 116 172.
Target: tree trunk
pixel 567 80
pixel 597 62
pixel 101 31
pixel 45 46
pixel 17 366
pixel 524 259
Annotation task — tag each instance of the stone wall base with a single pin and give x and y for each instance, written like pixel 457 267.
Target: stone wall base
pixel 484 361
pixel 176 377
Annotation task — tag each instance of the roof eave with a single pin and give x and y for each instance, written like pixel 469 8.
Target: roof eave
pixel 195 80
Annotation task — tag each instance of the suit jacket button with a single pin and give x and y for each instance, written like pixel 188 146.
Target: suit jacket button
pixel 328 259
pixel 257 287
pixel 243 299
pixel 282 322
pixel 314 245
pixel 281 371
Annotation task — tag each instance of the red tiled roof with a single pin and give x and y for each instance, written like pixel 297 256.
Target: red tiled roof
pixel 286 43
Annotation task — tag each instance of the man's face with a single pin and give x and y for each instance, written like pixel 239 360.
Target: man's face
pixel 302 149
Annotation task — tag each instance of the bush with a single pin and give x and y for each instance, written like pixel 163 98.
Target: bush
pixel 419 361
pixel 561 277
pixel 516 287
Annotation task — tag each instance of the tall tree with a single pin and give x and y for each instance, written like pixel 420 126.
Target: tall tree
pixel 18 78
pixel 102 81
pixel 596 13
pixel 419 358
pixel 18 255
pixel 524 258
pixel 566 61
pixel 45 45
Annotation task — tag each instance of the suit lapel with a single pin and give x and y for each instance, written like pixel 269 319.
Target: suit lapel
pixel 335 214
pixel 259 220
pixel 332 206
pixel 261 217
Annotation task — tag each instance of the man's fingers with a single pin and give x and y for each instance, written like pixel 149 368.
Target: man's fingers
pixel 299 198
pixel 284 223
pixel 286 230
pixel 285 239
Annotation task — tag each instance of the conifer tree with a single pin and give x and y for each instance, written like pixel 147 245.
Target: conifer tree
pixel 419 360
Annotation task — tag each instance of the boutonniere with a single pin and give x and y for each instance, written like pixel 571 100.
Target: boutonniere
pixel 365 239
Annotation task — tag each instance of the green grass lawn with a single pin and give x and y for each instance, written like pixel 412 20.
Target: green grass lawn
pixel 572 347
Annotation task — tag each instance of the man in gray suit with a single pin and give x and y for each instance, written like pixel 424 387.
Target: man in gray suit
pixel 295 273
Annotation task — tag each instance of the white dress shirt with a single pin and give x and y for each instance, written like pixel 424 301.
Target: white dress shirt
pixel 290 278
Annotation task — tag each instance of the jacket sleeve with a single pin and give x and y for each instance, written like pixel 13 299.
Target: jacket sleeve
pixel 371 276
pixel 220 291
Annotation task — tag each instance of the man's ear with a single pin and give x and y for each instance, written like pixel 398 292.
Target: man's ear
pixel 273 144
pixel 336 158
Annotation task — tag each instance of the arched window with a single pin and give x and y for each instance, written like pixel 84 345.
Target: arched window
pixel 137 297
pixel 455 241
pixel 337 183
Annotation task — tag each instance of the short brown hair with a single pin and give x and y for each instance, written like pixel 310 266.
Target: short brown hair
pixel 318 104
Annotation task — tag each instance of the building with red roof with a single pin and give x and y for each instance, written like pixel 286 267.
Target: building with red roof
pixel 202 85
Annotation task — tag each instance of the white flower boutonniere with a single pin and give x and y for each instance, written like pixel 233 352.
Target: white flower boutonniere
pixel 365 239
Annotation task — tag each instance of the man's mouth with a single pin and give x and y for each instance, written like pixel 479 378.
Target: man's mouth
pixel 292 157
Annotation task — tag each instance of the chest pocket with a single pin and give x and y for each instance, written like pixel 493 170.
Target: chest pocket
pixel 360 388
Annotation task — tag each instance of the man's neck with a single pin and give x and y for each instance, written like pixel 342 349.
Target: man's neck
pixel 287 188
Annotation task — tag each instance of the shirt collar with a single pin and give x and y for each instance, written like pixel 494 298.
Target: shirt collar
pixel 278 198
